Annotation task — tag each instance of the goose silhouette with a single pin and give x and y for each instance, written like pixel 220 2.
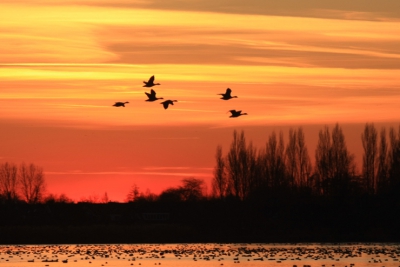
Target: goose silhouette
pixel 152 96
pixel 120 104
pixel 166 103
pixel 236 113
pixel 150 82
pixel 227 95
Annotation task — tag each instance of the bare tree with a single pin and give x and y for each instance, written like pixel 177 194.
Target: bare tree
pixel 383 164
pixel 292 159
pixel 298 162
pixel 248 170
pixel 334 164
pixel 32 182
pixel 275 160
pixel 323 159
pixel 8 181
pixel 192 189
pixel 133 194
pixel 105 198
pixel 394 160
pixel 219 182
pixel 369 140
pixel 303 159
pixel 234 164
pixel 342 162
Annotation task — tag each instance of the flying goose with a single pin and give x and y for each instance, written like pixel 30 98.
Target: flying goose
pixel 166 103
pixel 236 113
pixel 150 82
pixel 152 96
pixel 120 104
pixel 227 95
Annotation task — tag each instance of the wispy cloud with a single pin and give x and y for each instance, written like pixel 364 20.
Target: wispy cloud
pixel 362 10
pixel 153 171
pixel 165 168
pixel 176 138
pixel 178 174
pixel 77 106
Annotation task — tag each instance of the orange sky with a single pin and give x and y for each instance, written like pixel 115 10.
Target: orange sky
pixel 64 63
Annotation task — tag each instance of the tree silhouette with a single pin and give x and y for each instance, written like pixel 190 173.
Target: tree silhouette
pixel 323 160
pixel 383 163
pixel 235 164
pixel 32 182
pixel 292 159
pixel 275 161
pixel 304 161
pixel 241 166
pixel 192 189
pixel 298 162
pixel 8 181
pixel 369 140
pixel 334 164
pixel 133 194
pixel 394 160
pixel 219 182
pixel 62 198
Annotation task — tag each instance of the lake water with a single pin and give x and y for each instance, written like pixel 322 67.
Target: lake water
pixel 209 255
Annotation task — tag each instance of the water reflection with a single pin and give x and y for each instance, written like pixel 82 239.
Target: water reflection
pixel 245 255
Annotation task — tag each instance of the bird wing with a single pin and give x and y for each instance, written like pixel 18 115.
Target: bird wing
pixel 148 95
pixel 165 104
pixel 153 93
pixel 232 111
pixel 151 80
pixel 228 91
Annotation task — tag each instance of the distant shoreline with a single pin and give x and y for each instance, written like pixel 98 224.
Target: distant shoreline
pixel 274 220
pixel 178 233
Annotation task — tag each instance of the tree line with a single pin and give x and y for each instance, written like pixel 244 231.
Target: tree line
pixel 247 172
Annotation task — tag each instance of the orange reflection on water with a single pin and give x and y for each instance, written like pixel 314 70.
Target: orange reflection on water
pixel 211 254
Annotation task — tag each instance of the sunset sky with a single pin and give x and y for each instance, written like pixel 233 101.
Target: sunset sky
pixel 291 63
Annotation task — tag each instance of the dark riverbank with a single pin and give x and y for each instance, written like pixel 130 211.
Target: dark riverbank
pixel 286 220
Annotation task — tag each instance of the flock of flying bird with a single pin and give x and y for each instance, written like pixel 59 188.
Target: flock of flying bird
pixel 152 97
